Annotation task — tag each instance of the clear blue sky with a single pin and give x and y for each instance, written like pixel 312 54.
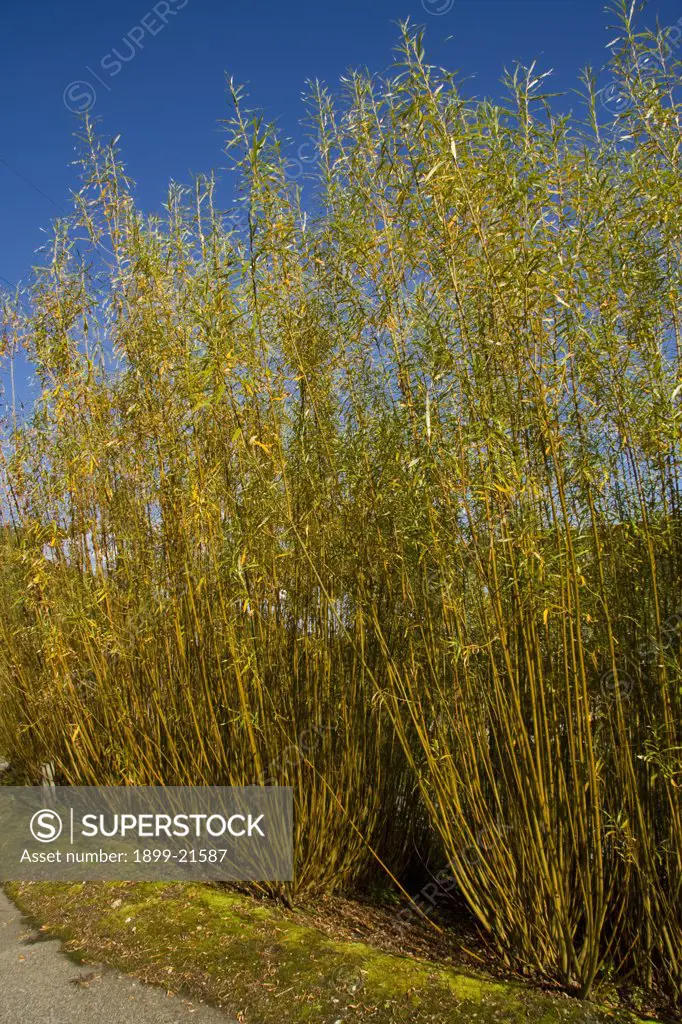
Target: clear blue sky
pixel 166 99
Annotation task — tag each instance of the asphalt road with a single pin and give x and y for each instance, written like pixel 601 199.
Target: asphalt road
pixel 39 985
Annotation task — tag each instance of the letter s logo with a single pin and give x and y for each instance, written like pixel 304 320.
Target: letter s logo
pixel 46 826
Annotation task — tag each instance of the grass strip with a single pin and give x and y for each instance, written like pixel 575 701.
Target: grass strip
pixel 256 961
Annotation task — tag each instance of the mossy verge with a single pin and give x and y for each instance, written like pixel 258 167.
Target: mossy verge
pixel 265 968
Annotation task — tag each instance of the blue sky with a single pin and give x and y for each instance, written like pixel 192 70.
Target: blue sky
pixel 155 72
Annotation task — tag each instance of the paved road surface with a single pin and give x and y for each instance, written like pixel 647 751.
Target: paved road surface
pixel 39 985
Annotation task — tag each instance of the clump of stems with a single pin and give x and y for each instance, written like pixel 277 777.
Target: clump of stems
pixel 378 496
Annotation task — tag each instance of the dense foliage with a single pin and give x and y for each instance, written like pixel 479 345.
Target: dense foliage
pixel 379 496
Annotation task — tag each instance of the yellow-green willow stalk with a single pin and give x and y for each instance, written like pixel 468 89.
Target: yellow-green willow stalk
pixel 378 495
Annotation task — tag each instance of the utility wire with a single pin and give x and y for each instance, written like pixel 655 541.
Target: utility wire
pixel 31 185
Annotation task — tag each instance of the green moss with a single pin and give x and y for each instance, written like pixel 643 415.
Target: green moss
pixel 254 959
